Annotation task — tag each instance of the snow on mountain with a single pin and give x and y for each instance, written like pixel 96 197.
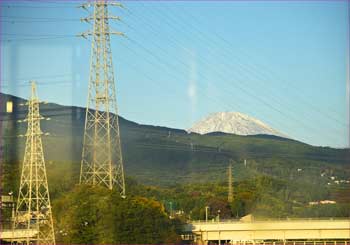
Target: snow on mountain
pixel 233 123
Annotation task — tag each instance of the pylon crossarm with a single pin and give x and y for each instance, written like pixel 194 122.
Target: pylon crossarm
pixel 110 17
pixel 89 33
pixel 101 3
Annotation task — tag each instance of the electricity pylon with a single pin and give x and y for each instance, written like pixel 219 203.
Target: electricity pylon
pixel 33 211
pixel 102 162
pixel 230 187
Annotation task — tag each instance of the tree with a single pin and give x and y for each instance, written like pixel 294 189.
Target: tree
pixel 96 215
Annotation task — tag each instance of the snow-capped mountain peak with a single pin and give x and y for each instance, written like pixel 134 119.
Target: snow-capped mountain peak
pixel 233 123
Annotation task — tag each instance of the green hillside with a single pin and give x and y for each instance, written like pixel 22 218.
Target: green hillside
pixel 154 154
pixel 186 167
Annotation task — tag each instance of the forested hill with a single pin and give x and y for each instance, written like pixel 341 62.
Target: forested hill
pixel 165 156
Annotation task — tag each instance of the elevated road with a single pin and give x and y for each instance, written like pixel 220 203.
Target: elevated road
pixel 270 230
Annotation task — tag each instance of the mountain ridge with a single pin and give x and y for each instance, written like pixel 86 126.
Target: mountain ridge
pixel 161 155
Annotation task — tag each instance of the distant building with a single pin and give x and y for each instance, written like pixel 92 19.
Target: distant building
pixel 322 202
pixel 328 202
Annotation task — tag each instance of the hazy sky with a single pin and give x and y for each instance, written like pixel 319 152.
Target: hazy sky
pixel 285 63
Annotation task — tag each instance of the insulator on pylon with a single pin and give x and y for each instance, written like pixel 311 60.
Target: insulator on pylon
pixel 84 6
pixel 84 19
pixel 83 35
pixel 117 4
pixel 117 33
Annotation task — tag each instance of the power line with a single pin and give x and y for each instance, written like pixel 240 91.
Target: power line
pixel 69 2
pixel 29 20
pixel 38 38
pixel 41 38
pixel 249 93
pixel 37 18
pixel 39 83
pixel 34 21
pixel 46 18
pixel 175 20
pixel 34 7
pixel 37 77
pixel 264 69
pixel 252 95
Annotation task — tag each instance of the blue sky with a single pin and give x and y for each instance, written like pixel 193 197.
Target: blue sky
pixel 285 63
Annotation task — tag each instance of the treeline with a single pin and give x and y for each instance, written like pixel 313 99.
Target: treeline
pixel 284 192
pixel 154 214
pixel 262 196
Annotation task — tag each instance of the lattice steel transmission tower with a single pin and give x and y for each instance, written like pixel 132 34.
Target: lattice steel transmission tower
pixel 102 162
pixel 33 211
pixel 230 187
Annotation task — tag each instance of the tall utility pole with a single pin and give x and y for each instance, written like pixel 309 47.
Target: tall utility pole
pixel 102 162
pixel 33 211
pixel 206 213
pixel 230 188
